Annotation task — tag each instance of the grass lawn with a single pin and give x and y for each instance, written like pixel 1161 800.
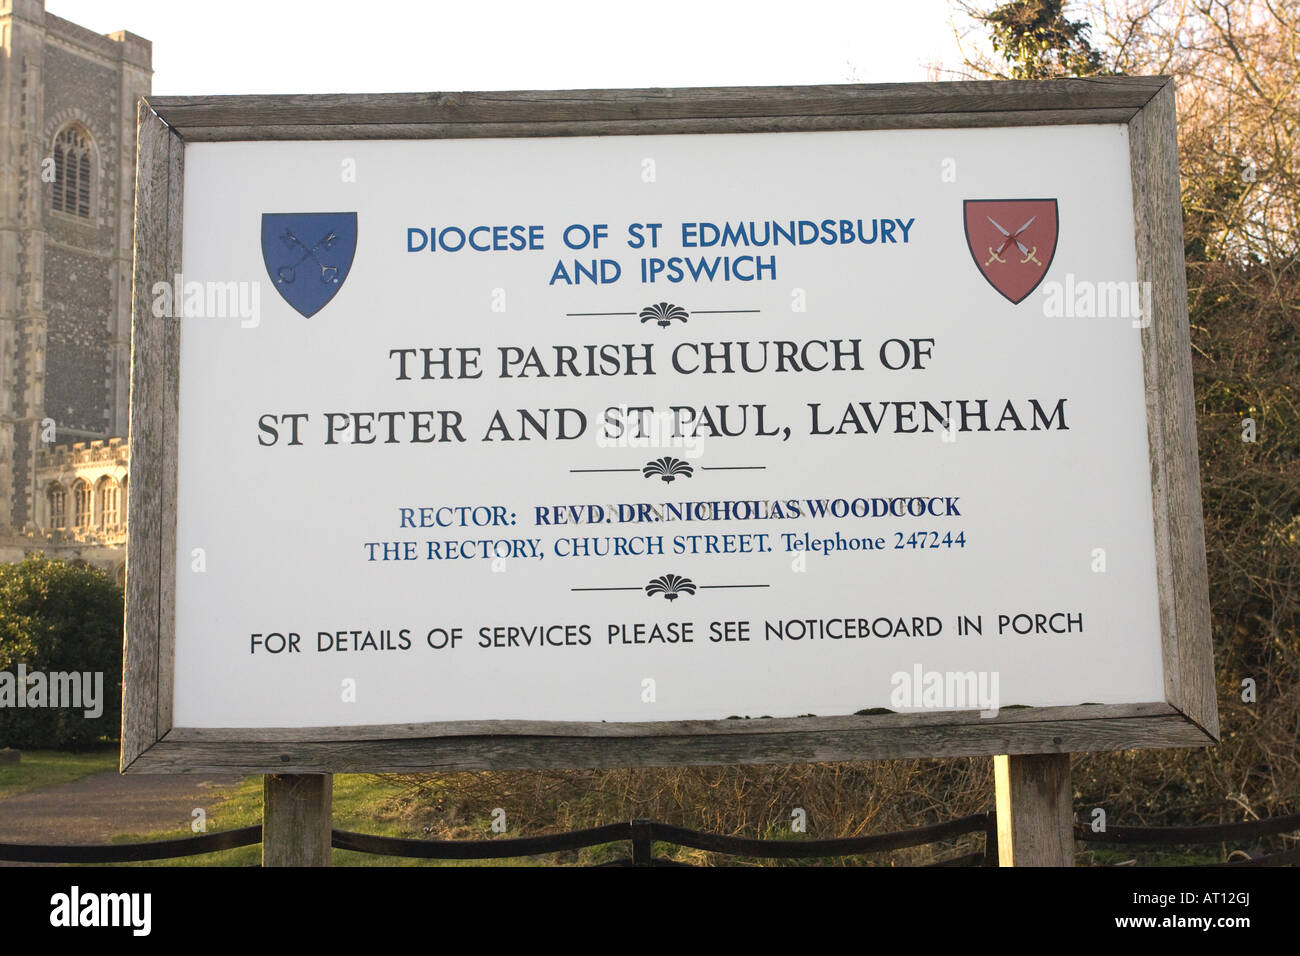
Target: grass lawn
pixel 49 768
pixel 368 804
pixel 360 805
pixel 363 804
pixel 1102 855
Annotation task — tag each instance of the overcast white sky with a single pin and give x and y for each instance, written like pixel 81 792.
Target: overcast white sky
pixel 330 46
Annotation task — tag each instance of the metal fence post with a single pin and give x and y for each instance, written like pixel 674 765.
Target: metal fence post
pixel 642 836
pixel 991 840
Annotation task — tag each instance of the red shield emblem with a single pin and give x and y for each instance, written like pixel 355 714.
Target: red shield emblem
pixel 1012 241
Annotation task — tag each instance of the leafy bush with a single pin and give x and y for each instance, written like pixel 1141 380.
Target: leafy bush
pixel 55 617
pixel 1236 70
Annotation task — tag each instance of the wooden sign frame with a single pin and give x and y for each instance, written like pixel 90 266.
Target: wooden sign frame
pixel 1186 717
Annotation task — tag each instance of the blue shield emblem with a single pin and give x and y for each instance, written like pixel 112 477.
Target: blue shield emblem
pixel 308 255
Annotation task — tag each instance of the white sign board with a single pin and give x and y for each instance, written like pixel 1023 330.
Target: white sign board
pixel 435 487
pixel 616 429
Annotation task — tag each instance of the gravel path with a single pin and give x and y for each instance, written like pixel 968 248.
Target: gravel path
pixel 95 808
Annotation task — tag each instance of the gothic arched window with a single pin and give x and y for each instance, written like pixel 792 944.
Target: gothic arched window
pixel 73 165
pixel 108 504
pixel 81 502
pixel 57 499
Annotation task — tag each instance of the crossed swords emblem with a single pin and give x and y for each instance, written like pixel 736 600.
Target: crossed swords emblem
pixel 995 255
pixel 288 274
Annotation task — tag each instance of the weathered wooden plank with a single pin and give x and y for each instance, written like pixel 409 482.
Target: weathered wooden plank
pixel 296 819
pixel 170 401
pixel 557 728
pixel 1141 161
pixel 533 753
pixel 145 435
pixel 749 124
pixel 1035 809
pixel 605 106
pixel 1171 416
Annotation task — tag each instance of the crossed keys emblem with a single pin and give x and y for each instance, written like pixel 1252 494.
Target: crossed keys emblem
pixel 995 255
pixel 289 273
pixel 289 256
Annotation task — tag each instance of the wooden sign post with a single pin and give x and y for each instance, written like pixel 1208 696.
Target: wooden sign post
pixel 296 826
pixel 1034 807
pixel 663 427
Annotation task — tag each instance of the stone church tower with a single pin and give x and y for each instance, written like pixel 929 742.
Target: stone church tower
pixel 67 182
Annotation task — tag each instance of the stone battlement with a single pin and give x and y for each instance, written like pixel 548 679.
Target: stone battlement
pixel 83 453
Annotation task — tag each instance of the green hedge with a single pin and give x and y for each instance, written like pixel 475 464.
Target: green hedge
pixel 59 617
